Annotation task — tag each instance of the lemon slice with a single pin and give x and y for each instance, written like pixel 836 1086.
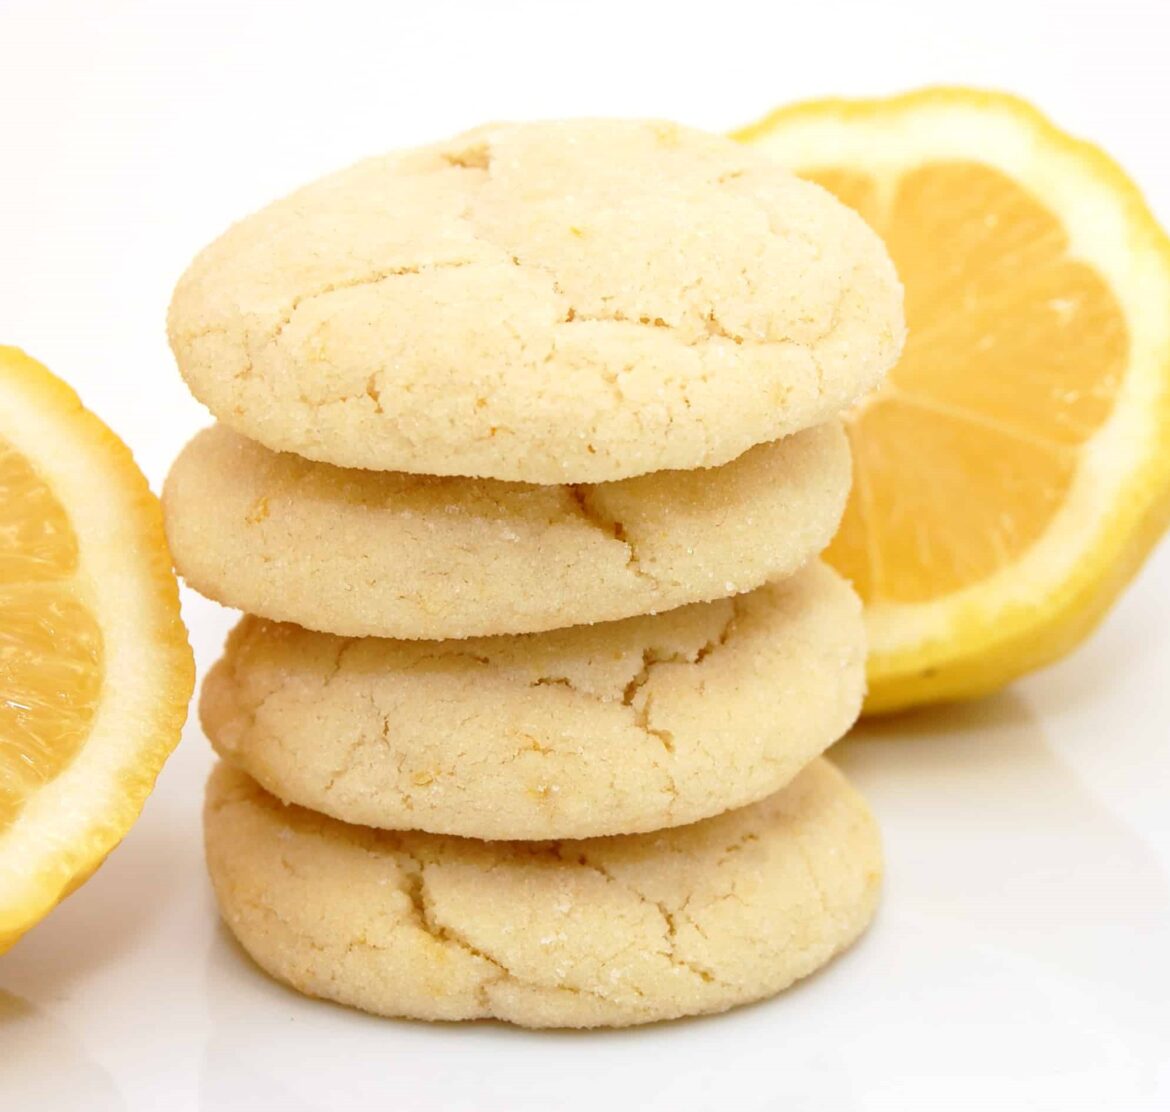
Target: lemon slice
pixel 1015 471
pixel 95 669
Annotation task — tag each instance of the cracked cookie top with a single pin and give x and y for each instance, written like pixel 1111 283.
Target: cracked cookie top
pixel 605 931
pixel 607 729
pixel 552 302
pixel 386 554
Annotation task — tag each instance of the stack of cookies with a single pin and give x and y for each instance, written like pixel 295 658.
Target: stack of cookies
pixel 528 448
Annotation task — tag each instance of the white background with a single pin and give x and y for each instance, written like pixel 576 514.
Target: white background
pixel 1021 956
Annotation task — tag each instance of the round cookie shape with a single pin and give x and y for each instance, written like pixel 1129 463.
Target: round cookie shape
pixel 614 728
pixel 369 553
pixel 601 932
pixel 579 301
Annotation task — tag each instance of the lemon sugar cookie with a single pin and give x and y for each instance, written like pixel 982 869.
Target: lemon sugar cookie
pixel 601 932
pixel 548 302
pixel 607 729
pixel 367 553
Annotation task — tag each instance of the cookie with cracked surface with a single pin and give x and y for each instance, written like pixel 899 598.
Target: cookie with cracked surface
pixel 614 728
pixel 376 553
pixel 551 302
pixel 601 932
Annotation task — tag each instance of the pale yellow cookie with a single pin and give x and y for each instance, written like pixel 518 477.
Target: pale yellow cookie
pixel 602 932
pixel 607 729
pixel 369 553
pixel 550 302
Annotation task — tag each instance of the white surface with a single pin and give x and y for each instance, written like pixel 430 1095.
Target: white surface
pixel 1022 956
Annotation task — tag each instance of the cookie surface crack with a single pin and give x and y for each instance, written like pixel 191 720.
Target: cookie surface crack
pixel 373 279
pixel 414 887
pixel 669 919
pixel 554 681
pixel 582 495
pixel 477 157
pixel 702 972
pixel 641 707
pixel 345 647
pixel 345 764
pixel 449 654
pixel 651 657
pixel 822 899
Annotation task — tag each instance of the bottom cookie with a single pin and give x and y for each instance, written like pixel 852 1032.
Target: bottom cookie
pixel 601 932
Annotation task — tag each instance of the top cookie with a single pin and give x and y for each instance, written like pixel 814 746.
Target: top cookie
pixel 550 302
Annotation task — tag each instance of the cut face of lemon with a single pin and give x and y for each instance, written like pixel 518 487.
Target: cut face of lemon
pixel 1015 470
pixel 95 669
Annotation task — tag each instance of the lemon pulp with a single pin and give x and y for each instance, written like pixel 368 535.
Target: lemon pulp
pixel 1014 357
pixel 50 644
